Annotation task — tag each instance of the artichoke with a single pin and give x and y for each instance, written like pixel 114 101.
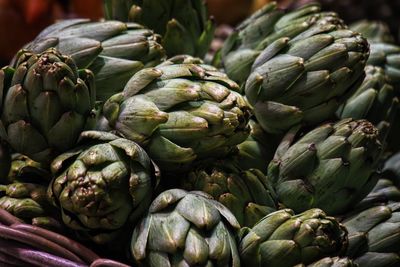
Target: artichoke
pixel 257 150
pixel 374 235
pixel 374 31
pixel 375 100
pixel 23 169
pixel 383 51
pixel 180 111
pixel 331 262
pixel 45 103
pixel 30 203
pixel 102 185
pixel 184 24
pixel 283 239
pixel 247 194
pixel 113 50
pixel 392 166
pixel 297 67
pixel 186 229
pixel 331 167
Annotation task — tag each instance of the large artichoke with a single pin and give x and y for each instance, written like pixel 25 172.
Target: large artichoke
pixel 375 100
pixel 103 185
pixel 184 24
pixel 283 239
pixel 331 167
pixel 186 229
pixel 113 50
pixel 298 67
pixel 45 103
pixel 180 111
pixel 247 194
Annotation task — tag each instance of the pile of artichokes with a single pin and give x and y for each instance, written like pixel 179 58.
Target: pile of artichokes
pixel 124 135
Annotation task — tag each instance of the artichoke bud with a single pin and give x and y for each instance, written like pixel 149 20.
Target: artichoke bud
pixel 302 238
pixel 185 227
pixel 46 96
pixel 294 49
pixel 341 157
pixel 102 186
pixel 180 110
pixel 247 193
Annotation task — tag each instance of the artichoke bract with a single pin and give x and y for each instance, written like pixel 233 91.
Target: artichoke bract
pixel 180 111
pixel 113 50
pixel 375 100
pixel 246 193
pixel 297 67
pixel 102 186
pixel 331 262
pixel 186 229
pixel 45 103
pixel 184 25
pixel 283 239
pixel 331 167
pixel 24 169
pixel 374 235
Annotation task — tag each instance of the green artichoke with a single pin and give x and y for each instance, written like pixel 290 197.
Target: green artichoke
pixel 331 167
pixel 186 229
pixel 184 24
pixel 23 169
pixel 374 235
pixel 45 103
pixel 375 100
pixel 297 67
pixel 257 150
pixel 331 262
pixel 30 203
pixel 283 239
pixel 383 51
pixel 113 50
pixel 374 31
pixel 180 111
pixel 102 185
pixel 247 194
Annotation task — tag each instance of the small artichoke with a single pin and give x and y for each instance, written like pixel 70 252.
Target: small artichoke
pixel 45 103
pixel 24 169
pixel 283 239
pixel 102 185
pixel 297 67
pixel 184 24
pixel 180 111
pixel 29 202
pixel 331 167
pixel 113 50
pixel 375 100
pixel 247 194
pixel 186 229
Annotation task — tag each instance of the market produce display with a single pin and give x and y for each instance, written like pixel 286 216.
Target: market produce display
pixel 135 141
